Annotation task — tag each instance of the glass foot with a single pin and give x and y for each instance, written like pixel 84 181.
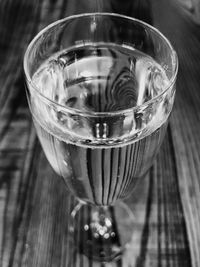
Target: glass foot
pixel 104 232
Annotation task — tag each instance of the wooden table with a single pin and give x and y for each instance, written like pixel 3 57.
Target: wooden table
pixel 34 203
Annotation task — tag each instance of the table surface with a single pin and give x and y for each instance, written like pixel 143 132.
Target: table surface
pixel 34 204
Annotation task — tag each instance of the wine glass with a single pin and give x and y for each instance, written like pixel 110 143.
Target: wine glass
pixel 100 88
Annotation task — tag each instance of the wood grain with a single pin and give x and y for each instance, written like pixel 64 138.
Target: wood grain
pixel 35 205
pixel 185 117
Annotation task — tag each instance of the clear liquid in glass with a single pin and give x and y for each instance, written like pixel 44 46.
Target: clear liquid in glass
pixel 100 157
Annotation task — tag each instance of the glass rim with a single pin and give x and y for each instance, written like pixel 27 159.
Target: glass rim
pixel 106 113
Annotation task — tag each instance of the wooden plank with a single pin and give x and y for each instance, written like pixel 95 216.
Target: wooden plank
pixel 185 117
pixel 17 137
